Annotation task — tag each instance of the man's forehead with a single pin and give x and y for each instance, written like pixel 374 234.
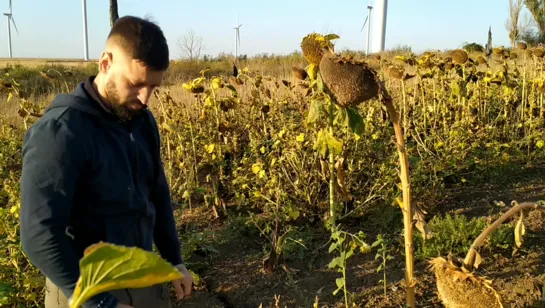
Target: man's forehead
pixel 138 72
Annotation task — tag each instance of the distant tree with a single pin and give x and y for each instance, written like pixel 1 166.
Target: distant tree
pixel 114 13
pixel 191 45
pixel 512 23
pixel 401 48
pixel 472 47
pixel 488 46
pixel 529 31
pixel 537 9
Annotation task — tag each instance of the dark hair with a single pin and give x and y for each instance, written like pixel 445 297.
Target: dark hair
pixel 141 39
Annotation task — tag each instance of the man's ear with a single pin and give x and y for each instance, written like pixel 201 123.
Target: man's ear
pixel 105 61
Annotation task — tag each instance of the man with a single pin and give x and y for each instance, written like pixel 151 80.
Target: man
pixel 92 172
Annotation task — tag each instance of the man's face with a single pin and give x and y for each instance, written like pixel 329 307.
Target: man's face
pixel 128 84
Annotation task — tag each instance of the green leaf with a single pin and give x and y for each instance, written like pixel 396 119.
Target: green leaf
pixel 320 82
pixel 335 235
pixel 413 160
pixel 332 247
pixel 358 241
pixel 355 121
pixel 325 142
pixel 6 289
pixel 314 111
pixel 312 71
pixel 294 214
pixel 105 267
pixel 362 235
pixel 335 145
pixel 200 190
pixel 339 282
pixel 321 143
pixel 340 115
pixel 335 262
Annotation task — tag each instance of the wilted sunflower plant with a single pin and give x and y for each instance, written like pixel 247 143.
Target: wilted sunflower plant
pixel 339 86
pixel 458 285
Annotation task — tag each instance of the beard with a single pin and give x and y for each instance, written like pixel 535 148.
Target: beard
pixel 125 110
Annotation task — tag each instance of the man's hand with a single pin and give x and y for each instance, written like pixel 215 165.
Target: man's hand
pixel 183 286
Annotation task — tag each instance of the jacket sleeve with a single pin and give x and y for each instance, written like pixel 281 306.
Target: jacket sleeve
pixel 54 156
pixel 165 232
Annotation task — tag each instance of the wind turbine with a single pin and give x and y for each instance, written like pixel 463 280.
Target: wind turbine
pixel 379 35
pixel 85 40
pixel 9 15
pixel 368 19
pixel 237 39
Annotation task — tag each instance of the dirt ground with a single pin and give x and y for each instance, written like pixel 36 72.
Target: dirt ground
pixel 233 276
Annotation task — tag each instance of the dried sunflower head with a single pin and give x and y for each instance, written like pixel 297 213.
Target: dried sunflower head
pixel 313 46
pixel 539 52
pixel 351 82
pixel 459 56
pixel 481 60
pixel 497 51
pixel 457 287
pixel 396 71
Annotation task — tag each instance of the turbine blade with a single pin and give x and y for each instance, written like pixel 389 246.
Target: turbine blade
pixel 10 6
pixel 13 21
pixel 366 18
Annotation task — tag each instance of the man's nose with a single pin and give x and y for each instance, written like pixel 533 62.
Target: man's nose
pixel 144 95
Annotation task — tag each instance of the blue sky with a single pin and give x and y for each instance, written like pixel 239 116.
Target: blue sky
pixel 53 28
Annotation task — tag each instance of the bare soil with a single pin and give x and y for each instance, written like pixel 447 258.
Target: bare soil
pixel 233 276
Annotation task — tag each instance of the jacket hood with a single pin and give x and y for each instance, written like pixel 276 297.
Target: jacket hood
pixel 78 99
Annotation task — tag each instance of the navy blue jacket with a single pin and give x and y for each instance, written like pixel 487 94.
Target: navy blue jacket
pixel 88 177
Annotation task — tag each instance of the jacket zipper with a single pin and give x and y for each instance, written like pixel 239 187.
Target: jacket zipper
pixel 139 220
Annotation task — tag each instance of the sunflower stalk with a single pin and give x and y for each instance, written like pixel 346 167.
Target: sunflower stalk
pixel 332 210
pixel 406 205
pixel 169 154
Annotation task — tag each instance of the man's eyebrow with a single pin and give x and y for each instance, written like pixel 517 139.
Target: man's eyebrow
pixel 143 83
